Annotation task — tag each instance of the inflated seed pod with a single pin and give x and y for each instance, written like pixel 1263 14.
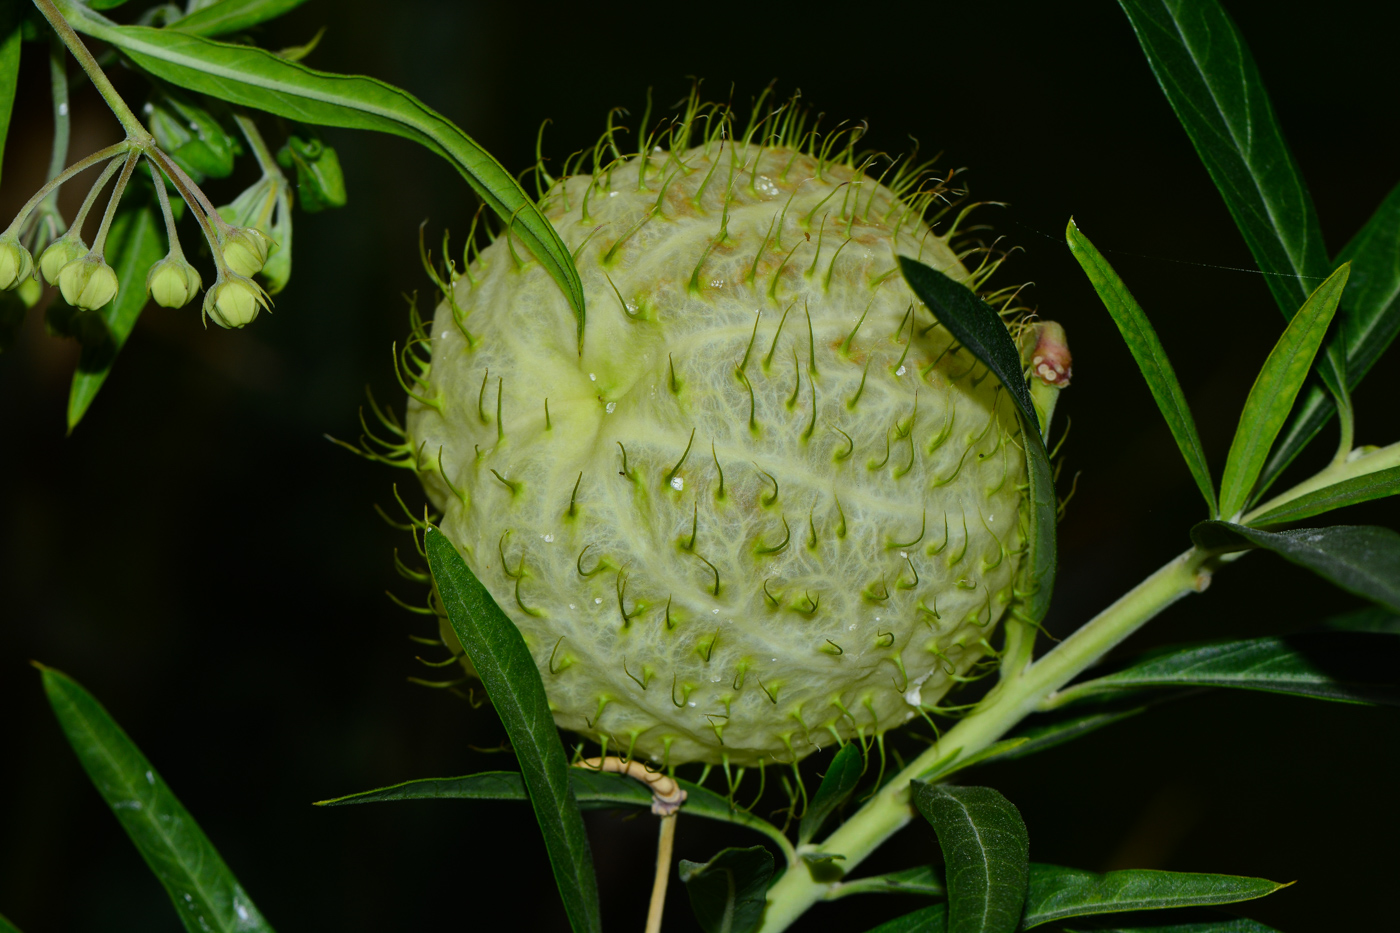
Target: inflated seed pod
pixel 770 505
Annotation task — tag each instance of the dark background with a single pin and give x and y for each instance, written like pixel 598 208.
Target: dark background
pixel 207 564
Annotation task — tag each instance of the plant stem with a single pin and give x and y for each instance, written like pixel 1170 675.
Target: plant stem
pixel 1009 702
pixel 1335 472
pixel 75 229
pixel 663 873
pixel 134 130
pixel 48 220
pixel 79 166
pixel 99 242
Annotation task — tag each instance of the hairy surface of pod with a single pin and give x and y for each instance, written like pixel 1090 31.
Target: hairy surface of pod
pixel 771 505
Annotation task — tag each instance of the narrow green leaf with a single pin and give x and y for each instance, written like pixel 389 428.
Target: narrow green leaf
pixel 1370 619
pixel 6 926
pixel 1346 667
pixel 728 892
pixel 978 328
pixel 512 681
pixel 1237 925
pixel 205 893
pixel 837 784
pixel 1210 79
pixel 954 761
pixel 592 790
pixel 11 38
pixel 1358 489
pixel 1274 391
pixel 923 881
pixel 986 850
pixel 227 16
pixel 254 77
pixel 1362 559
pixel 1368 319
pixel 1370 314
pixel 1039 738
pixel 1058 893
pixel 135 242
pixel 931 919
pixel 1151 357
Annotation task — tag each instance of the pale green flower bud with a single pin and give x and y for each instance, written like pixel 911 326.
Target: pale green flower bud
pixel 172 282
pixel 15 263
pixel 234 302
pixel 246 249
pixel 59 254
pixel 87 283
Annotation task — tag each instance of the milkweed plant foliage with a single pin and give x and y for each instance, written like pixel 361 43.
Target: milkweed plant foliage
pixel 736 450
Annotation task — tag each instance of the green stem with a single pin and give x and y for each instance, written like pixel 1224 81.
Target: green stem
pixel 99 242
pixel 1346 422
pixel 75 229
pixel 79 166
pixel 171 236
pixel 197 203
pixel 1008 703
pixel 134 130
pixel 1334 472
pixel 250 131
pixel 48 219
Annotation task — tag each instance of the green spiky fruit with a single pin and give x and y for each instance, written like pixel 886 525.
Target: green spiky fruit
pixel 771 505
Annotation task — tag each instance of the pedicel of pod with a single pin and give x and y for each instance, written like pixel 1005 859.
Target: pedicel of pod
pixel 87 283
pixel 771 505
pixel 172 282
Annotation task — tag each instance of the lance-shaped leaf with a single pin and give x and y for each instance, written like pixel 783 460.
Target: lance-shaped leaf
pixel 837 784
pixel 986 850
pixel 931 919
pixel 593 790
pixel 135 242
pixel 1367 322
pixel 1358 489
pixel 1233 925
pixel 1058 893
pixel 1362 559
pixel 955 761
pixel 1210 79
pixel 980 330
pixel 1067 729
pixel 1370 619
pixel 10 40
pixel 226 16
pixel 727 893
pixel 6 926
pixel 1347 667
pixel 253 77
pixel 503 662
pixel 1151 357
pixel 923 881
pixel 206 895
pixel 1274 390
